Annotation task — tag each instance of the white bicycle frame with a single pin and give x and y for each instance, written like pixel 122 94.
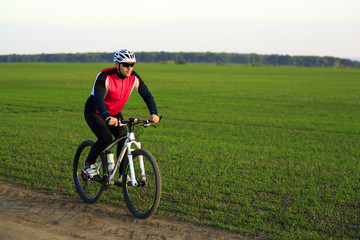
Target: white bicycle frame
pixel 130 140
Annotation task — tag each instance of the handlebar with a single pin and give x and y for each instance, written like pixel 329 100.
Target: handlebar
pixel 134 121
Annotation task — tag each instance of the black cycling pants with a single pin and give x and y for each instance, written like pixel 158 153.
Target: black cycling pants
pixel 104 133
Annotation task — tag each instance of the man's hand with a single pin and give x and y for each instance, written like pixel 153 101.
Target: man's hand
pixel 155 118
pixel 111 121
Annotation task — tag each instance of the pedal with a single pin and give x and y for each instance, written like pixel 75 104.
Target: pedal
pixel 141 183
pixel 97 178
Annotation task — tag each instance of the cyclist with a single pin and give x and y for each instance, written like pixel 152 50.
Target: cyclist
pixel 110 92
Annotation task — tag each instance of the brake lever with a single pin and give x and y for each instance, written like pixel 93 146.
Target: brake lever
pixel 148 123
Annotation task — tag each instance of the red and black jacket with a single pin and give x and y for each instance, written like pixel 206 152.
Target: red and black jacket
pixel 111 91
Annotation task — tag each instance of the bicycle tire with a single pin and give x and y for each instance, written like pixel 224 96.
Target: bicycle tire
pixel 142 200
pixel 90 191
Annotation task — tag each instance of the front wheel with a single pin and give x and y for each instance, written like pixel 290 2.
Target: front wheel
pixel 143 199
pixel 89 190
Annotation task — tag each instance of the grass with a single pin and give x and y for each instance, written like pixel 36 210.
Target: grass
pixel 264 151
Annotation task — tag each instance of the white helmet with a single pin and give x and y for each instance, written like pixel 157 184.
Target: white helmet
pixel 124 55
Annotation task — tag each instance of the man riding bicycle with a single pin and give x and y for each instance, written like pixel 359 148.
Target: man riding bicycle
pixel 109 95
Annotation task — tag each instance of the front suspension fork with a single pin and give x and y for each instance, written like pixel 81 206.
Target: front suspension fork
pixel 131 162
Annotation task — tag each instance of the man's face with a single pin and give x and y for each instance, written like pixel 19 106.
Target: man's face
pixel 125 68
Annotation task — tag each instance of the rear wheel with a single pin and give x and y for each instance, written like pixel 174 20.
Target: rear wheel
pixel 142 200
pixel 89 190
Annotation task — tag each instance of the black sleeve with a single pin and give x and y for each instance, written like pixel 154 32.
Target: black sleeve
pixel 149 100
pixel 146 95
pixel 99 95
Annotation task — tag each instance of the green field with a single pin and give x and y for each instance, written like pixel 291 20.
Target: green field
pixel 264 151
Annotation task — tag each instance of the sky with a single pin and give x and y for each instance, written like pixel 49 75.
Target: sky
pixel 293 27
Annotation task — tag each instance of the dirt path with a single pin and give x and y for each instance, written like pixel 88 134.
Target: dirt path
pixel 34 214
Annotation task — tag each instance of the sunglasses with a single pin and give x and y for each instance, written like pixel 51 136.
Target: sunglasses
pixel 128 64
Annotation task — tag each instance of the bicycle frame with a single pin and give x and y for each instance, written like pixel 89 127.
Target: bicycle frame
pixel 130 140
pixel 142 192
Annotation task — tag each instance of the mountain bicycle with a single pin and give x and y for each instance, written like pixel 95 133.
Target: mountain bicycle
pixel 140 179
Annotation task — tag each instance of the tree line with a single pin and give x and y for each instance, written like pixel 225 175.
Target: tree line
pixel 191 57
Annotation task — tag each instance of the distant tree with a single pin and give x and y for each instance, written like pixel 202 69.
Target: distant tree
pixel 192 57
pixel 182 61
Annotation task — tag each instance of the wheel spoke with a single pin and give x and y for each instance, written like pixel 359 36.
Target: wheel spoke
pixel 143 199
pixel 90 191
